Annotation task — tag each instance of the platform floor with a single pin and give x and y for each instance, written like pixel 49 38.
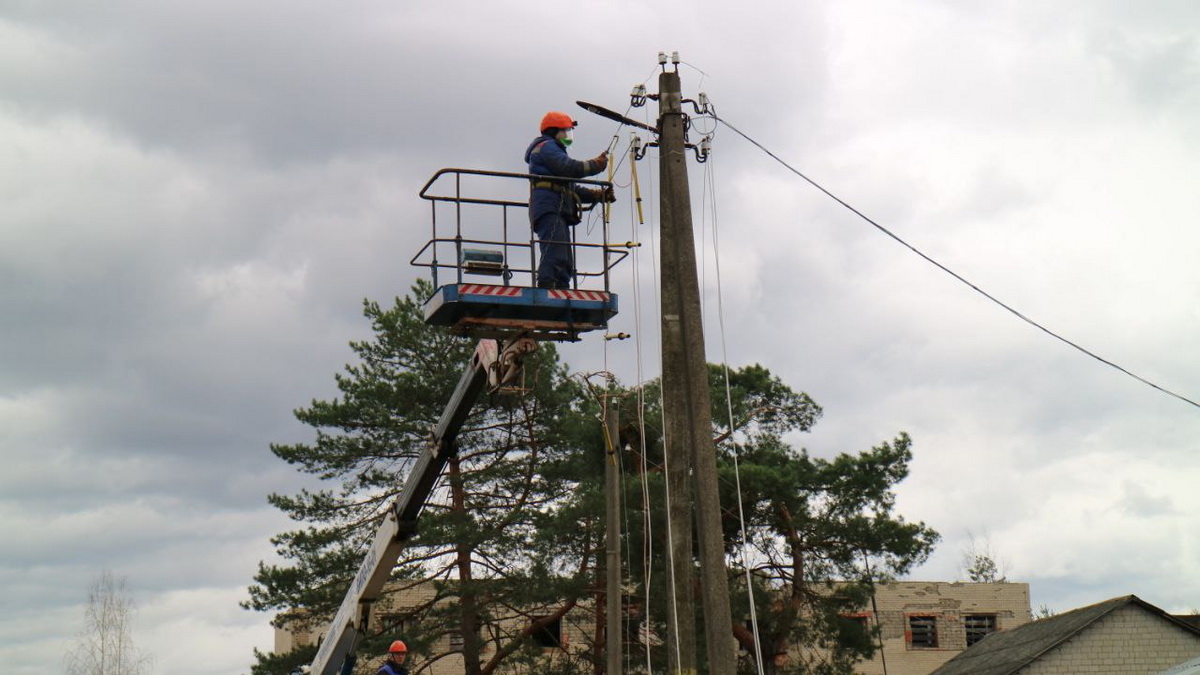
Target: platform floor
pixel 486 310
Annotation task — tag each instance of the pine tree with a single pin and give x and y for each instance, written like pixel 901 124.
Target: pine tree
pixel 512 540
pixel 820 532
pixel 500 538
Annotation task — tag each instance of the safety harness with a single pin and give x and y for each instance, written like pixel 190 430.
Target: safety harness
pixel 550 185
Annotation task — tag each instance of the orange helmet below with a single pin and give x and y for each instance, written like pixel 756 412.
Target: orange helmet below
pixel 398 647
pixel 558 120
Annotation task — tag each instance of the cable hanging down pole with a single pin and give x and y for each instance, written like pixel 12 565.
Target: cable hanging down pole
pixel 687 412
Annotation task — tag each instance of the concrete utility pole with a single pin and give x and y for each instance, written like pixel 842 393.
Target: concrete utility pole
pixel 612 502
pixel 687 409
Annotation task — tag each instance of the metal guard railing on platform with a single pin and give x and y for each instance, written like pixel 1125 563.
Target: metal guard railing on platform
pixel 428 255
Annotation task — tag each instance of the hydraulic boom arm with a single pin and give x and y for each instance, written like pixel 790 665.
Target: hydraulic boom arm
pixel 490 367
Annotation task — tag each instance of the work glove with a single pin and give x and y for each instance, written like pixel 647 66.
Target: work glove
pixel 601 161
pixel 608 195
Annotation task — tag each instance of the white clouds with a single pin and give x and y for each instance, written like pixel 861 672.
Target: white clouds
pixel 78 198
pixel 192 629
pixel 187 566
pixel 195 197
pixel 245 290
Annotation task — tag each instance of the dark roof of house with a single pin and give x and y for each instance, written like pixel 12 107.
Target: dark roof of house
pixel 1190 619
pixel 1185 668
pixel 1006 652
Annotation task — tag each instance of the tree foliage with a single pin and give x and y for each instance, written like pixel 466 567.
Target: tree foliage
pixel 500 538
pixel 514 539
pixel 267 663
pixel 819 532
pixel 980 562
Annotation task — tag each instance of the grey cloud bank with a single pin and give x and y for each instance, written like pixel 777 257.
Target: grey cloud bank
pixel 195 197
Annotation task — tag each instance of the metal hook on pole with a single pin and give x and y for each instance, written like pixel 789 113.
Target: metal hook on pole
pixel 704 149
pixel 637 97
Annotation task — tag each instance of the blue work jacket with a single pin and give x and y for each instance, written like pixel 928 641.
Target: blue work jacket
pixel 548 157
pixel 390 668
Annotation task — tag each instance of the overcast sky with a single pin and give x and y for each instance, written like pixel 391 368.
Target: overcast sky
pixel 196 196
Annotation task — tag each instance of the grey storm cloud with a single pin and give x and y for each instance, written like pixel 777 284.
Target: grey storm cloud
pixel 196 197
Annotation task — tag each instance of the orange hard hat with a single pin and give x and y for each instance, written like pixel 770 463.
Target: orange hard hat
pixel 558 120
pixel 398 646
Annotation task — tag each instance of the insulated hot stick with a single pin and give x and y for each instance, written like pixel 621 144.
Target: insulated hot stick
pixel 615 116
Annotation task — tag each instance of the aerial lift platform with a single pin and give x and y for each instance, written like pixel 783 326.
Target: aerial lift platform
pixel 509 317
pixel 502 309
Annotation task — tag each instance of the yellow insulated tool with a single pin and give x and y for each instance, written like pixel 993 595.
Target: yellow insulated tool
pixel 637 189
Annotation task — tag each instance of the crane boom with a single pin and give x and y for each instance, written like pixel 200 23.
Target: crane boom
pixel 491 367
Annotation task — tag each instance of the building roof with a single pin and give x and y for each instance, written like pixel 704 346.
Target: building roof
pixel 1187 668
pixel 1006 652
pixel 1190 619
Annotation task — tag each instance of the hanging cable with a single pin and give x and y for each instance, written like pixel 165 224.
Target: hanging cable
pixel 954 274
pixel 674 603
pixel 711 189
pixel 674 608
pixel 875 610
pixel 648 521
pixel 604 210
pixel 622 469
pixel 606 205
pixel 621 125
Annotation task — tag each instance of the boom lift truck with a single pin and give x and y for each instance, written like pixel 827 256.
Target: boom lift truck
pixel 510 320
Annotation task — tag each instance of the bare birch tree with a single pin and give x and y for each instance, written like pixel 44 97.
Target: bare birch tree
pixel 980 562
pixel 105 645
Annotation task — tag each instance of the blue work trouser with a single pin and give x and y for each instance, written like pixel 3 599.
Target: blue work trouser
pixel 557 264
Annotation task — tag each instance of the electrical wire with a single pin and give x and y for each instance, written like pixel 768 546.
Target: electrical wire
pixel 621 125
pixel 648 522
pixel 710 190
pixel 648 567
pixel 645 494
pixel 954 274
pixel 674 605
pixel 602 210
pixel 673 613
pixel 696 68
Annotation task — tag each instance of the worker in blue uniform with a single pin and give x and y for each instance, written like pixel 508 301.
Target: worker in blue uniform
pixel 554 206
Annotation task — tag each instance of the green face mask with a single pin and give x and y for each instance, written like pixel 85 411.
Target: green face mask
pixel 568 137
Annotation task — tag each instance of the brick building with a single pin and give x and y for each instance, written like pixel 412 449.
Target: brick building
pixel 922 625
pixel 560 641
pixel 925 624
pixel 1122 636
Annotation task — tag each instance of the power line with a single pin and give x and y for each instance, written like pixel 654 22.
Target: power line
pixel 710 186
pixel 954 274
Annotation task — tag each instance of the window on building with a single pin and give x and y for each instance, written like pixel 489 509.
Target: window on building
pixel 549 635
pixel 863 621
pixel 978 626
pixel 922 632
pixel 391 623
pixel 457 643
